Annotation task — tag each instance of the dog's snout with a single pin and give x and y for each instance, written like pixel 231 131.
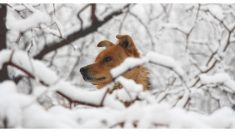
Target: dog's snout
pixel 85 74
pixel 84 70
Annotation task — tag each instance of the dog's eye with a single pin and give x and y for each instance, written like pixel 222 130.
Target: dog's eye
pixel 107 59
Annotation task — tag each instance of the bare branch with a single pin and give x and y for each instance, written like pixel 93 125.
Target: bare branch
pixel 79 34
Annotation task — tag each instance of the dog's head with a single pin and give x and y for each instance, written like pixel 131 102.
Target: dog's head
pixel 113 55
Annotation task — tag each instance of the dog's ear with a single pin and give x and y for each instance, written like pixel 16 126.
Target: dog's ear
pixel 105 43
pixel 126 42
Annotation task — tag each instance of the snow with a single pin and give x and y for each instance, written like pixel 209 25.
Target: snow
pixel 5 56
pixel 21 112
pixel 126 65
pixel 9 111
pixel 151 57
pixel 184 29
pixel 130 89
pixel 41 72
pixel 36 117
pixel 168 104
pixel 32 21
pixel 184 99
pixel 217 11
pixel 11 105
pixel 21 107
pixel 219 78
pixel 39 90
pixel 18 7
pixel 51 31
pixel 163 116
pixel 223 118
pixel 34 67
pixel 165 61
pixel 158 114
pixel 90 97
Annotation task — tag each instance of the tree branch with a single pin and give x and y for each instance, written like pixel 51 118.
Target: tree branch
pixel 65 94
pixel 79 34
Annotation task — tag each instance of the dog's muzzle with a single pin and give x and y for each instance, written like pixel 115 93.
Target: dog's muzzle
pixel 84 72
pixel 87 76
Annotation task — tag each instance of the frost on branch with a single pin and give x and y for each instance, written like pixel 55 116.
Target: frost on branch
pixel 219 78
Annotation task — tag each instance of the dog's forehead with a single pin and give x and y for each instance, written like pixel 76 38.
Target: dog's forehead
pixel 107 52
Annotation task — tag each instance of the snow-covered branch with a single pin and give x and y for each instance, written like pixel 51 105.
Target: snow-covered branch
pixel 219 78
pixel 38 71
pixel 151 57
pixel 157 59
pixel 17 110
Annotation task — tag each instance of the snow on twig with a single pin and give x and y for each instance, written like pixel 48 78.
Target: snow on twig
pixel 151 57
pixel 157 59
pixel 128 64
pixel 87 97
pixel 219 78
pixel 130 89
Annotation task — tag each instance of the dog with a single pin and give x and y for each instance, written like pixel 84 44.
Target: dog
pixel 113 55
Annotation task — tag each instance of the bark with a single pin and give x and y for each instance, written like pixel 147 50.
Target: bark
pixel 3 45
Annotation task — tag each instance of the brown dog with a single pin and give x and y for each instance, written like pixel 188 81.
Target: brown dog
pixel 99 72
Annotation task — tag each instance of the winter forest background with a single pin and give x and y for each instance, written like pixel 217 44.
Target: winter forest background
pixel 189 50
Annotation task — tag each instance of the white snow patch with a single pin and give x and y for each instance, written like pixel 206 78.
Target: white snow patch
pixel 130 89
pixel 127 64
pixel 11 105
pixel 36 117
pixel 5 56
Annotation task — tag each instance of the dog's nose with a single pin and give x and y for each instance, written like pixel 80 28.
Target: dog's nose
pixel 84 70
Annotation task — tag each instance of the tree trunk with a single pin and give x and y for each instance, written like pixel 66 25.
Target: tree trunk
pixel 3 45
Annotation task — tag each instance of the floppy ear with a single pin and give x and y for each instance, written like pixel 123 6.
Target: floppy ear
pixel 126 42
pixel 105 43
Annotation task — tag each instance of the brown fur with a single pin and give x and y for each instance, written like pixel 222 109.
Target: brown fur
pixel 99 74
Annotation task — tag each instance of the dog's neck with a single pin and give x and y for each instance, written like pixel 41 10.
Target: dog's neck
pixel 139 75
